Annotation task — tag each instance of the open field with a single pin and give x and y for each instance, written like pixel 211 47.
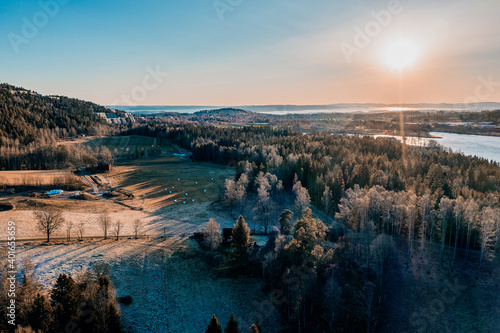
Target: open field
pixel 172 287
pixel 203 182
pixel 167 181
pixel 129 144
pixel 32 177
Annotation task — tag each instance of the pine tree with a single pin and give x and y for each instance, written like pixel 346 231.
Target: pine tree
pixel 232 325
pixel 41 318
pixel 241 239
pixel 284 221
pixel 65 296
pixel 113 323
pixel 214 326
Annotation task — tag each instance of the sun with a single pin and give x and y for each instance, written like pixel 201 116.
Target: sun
pixel 401 54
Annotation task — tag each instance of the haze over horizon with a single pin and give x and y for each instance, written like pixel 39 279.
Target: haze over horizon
pixel 254 53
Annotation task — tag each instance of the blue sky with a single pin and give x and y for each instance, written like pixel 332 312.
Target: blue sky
pixel 261 52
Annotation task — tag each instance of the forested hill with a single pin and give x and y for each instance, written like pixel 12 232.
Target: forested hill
pixel 24 113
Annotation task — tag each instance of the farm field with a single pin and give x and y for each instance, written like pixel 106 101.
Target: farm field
pixel 32 177
pixel 171 181
pixel 121 145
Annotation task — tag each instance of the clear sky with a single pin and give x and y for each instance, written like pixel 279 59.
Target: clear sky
pixel 249 52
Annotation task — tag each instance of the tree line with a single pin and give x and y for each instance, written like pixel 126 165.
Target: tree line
pixel 85 303
pixel 314 285
pixel 327 169
pixel 24 113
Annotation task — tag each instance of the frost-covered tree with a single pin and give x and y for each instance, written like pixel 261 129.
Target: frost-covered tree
pixel 264 207
pixel 445 218
pixel 458 218
pixel 411 218
pixel 487 229
pixel 234 193
pixel 212 236
pixel 471 215
pixel 327 199
pixel 302 197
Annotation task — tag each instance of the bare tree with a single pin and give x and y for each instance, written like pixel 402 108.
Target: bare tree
pixel 470 219
pixel 487 229
pixel 327 199
pixel 235 192
pixel 446 216
pixel 138 225
pixel 212 236
pixel 49 220
pixel 79 229
pixel 411 218
pixel 302 197
pixel 69 226
pixel 264 206
pixel 105 224
pixel 116 228
pixel 459 213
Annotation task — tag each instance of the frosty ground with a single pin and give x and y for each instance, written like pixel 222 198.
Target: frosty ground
pixel 172 288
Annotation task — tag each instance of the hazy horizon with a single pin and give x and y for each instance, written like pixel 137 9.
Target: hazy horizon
pixel 254 53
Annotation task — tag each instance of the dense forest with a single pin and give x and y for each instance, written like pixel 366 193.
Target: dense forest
pixel 24 113
pixel 390 204
pixel 84 303
pixel 369 186
pixel 31 125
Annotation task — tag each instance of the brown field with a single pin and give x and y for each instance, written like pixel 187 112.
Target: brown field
pixel 36 177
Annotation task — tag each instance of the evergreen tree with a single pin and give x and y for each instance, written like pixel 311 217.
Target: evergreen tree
pixel 285 222
pixel 232 325
pixel 241 239
pixel 113 322
pixel 65 296
pixel 214 326
pixel 41 318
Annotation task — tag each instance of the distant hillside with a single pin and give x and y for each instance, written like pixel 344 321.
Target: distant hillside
pixel 224 112
pixel 24 113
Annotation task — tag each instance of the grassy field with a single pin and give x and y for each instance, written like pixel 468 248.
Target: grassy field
pixel 171 181
pixel 122 145
pixel 33 177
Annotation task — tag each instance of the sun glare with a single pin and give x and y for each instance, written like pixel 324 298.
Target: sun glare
pixel 401 54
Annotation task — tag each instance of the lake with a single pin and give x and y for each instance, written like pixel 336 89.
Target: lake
pixel 474 145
